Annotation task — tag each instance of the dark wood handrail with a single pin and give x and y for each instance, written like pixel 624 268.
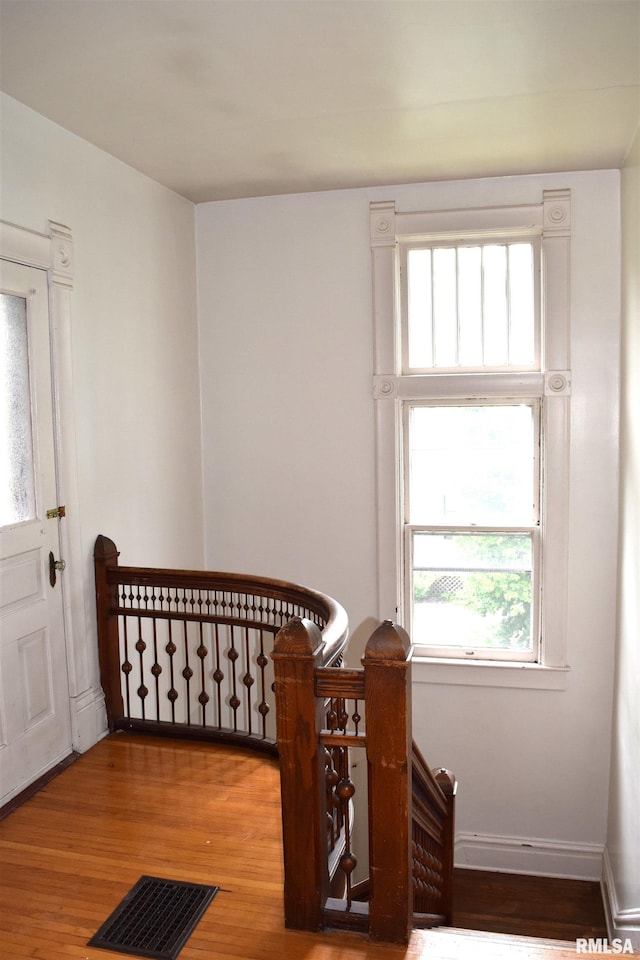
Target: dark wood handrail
pixel 433 796
pixel 324 606
pixel 429 802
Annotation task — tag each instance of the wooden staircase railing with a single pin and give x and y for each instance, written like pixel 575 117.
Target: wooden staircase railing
pixel 199 654
pixel 432 842
pixel 325 715
pixel 187 652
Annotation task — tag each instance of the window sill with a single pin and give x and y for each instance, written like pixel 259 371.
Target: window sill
pixel 486 673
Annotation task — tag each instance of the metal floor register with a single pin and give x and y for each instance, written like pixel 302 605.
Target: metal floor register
pixel 155 919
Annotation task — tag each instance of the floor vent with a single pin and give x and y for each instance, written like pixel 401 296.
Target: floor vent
pixel 155 919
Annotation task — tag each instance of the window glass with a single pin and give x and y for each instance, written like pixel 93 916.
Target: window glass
pixel 17 479
pixel 471 516
pixel 521 304
pixel 472 464
pixel 472 590
pixel 471 306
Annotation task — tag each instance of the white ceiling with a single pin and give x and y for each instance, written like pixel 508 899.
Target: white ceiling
pixel 232 98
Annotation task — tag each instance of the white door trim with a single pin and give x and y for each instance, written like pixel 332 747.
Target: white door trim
pixel 53 252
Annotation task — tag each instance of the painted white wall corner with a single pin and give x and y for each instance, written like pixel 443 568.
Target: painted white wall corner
pixel 621 924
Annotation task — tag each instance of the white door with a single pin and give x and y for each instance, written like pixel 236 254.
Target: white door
pixel 35 728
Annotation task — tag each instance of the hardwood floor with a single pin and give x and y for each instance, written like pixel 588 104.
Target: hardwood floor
pixel 528 906
pixel 185 811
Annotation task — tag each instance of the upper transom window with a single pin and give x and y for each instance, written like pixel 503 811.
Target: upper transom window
pixel 471 305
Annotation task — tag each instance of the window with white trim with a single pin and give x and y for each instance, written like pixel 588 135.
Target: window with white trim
pixel 472 392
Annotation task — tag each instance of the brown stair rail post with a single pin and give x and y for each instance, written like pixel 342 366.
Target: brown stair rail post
pixel 297 653
pixel 387 673
pixel 105 555
pixel 448 784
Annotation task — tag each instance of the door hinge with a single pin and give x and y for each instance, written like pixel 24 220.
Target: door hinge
pixel 56 514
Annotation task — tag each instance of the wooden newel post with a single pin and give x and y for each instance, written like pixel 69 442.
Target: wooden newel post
pixel 296 654
pixel 105 555
pixel 387 682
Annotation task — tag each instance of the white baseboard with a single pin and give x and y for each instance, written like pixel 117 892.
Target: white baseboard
pixel 621 924
pixel 530 855
pixel 88 719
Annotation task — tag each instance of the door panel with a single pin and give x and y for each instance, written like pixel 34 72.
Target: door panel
pixel 35 728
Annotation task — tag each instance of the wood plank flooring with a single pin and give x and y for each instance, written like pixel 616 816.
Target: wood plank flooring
pixel 528 906
pixel 185 811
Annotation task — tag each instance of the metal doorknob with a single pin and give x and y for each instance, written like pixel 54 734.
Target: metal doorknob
pixel 53 566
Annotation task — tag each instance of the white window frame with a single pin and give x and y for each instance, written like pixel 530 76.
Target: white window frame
pixel 550 219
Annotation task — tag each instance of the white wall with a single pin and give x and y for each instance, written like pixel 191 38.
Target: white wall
pixel 622 862
pixel 134 337
pixel 286 385
pixel 286 366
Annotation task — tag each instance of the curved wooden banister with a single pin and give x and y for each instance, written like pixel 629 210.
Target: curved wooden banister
pixel 191 649
pixel 202 654
pixel 333 615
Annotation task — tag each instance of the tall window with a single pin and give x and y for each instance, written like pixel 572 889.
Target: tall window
pixel 472 405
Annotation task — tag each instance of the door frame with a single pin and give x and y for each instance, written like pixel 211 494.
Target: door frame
pixel 53 252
